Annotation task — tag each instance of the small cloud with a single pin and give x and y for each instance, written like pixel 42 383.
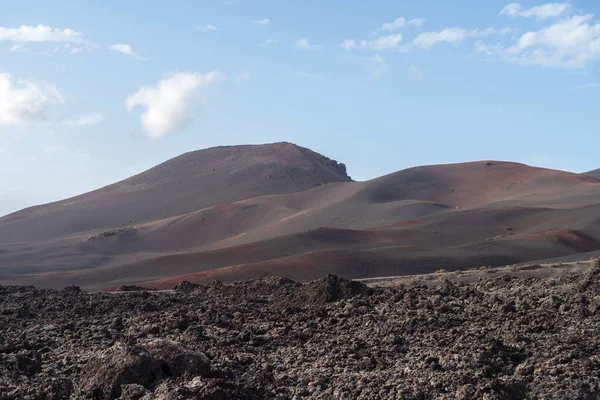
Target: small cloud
pixel 261 22
pixel 74 50
pixel 427 40
pixel 381 43
pixel 570 43
pixel 244 76
pixel 24 102
pixel 400 23
pixel 541 12
pixel 385 42
pixel 125 49
pixel 304 44
pixel 348 44
pixel 16 48
pixel 77 50
pixel 40 33
pixel 206 28
pixel 80 122
pixel 415 73
pixel 488 50
pixel 166 104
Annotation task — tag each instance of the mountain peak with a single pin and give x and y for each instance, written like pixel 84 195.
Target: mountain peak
pixel 191 181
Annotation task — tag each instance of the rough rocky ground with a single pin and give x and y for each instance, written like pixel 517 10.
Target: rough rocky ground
pixel 498 338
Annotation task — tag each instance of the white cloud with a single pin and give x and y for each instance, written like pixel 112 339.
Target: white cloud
pixel 16 48
pixel 206 28
pixel 349 44
pixel 381 43
pixel 167 103
pixel 427 40
pixel 40 33
pixel 385 42
pixel 87 120
pixel 76 50
pixel 24 102
pixel 125 49
pixel 400 23
pixel 486 49
pixel 544 11
pixel 573 42
pixel 415 73
pixel 262 22
pixel 377 67
pixel 304 44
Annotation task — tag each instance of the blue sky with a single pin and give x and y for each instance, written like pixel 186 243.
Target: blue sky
pixel 93 92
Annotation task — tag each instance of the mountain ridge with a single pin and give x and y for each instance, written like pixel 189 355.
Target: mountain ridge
pixel 236 212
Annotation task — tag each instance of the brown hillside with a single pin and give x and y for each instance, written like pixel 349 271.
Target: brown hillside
pixel 184 184
pixel 279 209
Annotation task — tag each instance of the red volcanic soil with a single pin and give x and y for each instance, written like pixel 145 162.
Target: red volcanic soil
pixel 279 209
pixel 578 241
pixel 288 266
pixel 475 183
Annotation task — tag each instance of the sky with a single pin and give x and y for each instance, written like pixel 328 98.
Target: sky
pixel 94 92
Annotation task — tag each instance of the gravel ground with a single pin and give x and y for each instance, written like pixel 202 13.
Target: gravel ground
pixel 499 338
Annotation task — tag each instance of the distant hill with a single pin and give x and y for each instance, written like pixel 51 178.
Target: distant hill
pixel 279 209
pixel 594 174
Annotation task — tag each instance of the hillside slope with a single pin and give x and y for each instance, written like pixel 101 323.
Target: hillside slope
pixel 181 185
pixel 594 174
pixel 242 212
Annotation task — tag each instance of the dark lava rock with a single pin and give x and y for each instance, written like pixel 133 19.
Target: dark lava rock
pixel 108 370
pixel 133 391
pixel 72 289
pixel 317 293
pixel 186 287
pixel 176 360
pixel 143 364
pixel 499 338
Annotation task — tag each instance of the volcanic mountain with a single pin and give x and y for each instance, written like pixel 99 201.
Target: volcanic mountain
pixel 184 184
pixel 594 174
pixel 280 209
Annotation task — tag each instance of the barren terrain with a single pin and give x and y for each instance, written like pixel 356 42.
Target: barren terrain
pixel 244 212
pixel 517 333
